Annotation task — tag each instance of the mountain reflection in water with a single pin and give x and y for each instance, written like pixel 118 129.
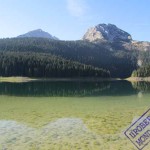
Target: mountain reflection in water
pixel 70 88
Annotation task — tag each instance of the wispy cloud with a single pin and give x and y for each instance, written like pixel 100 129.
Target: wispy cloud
pixel 77 8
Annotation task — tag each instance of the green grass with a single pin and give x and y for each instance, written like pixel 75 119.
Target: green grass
pixel 105 118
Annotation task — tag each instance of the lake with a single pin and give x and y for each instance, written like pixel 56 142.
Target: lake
pixel 65 115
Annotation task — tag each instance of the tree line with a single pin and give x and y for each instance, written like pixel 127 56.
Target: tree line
pixel 31 64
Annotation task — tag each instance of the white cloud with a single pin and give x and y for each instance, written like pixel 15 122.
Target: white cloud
pixel 77 8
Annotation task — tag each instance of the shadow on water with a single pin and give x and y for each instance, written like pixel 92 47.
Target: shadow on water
pixel 70 88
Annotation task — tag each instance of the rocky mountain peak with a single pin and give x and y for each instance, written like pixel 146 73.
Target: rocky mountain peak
pixel 38 33
pixel 39 30
pixel 106 32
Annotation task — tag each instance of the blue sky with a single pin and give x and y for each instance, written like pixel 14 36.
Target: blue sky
pixel 69 19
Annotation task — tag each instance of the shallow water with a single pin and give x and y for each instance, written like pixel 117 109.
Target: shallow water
pixel 69 115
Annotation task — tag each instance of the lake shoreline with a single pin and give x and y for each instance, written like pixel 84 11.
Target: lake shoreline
pixel 16 79
pixel 85 79
pixel 138 79
pixel 27 79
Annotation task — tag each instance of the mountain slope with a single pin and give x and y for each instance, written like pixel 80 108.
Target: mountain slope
pixel 114 38
pixel 39 33
pixel 104 32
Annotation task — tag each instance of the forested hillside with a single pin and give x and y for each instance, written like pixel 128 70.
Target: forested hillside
pixel 120 63
pixel 45 65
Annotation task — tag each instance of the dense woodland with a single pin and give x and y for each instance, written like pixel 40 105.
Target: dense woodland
pixel 120 63
pixel 32 64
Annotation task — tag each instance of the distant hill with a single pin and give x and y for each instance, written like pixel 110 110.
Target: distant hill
pixel 39 33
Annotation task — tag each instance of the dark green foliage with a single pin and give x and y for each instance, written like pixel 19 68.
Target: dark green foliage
pixel 144 69
pixel 45 65
pixel 142 72
pixel 124 62
pixel 120 63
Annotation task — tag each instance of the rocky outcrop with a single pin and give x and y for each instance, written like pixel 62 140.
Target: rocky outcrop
pixel 109 33
pixel 136 45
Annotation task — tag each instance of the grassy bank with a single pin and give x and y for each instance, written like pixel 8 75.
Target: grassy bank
pixel 138 79
pixel 15 79
pixel 27 79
